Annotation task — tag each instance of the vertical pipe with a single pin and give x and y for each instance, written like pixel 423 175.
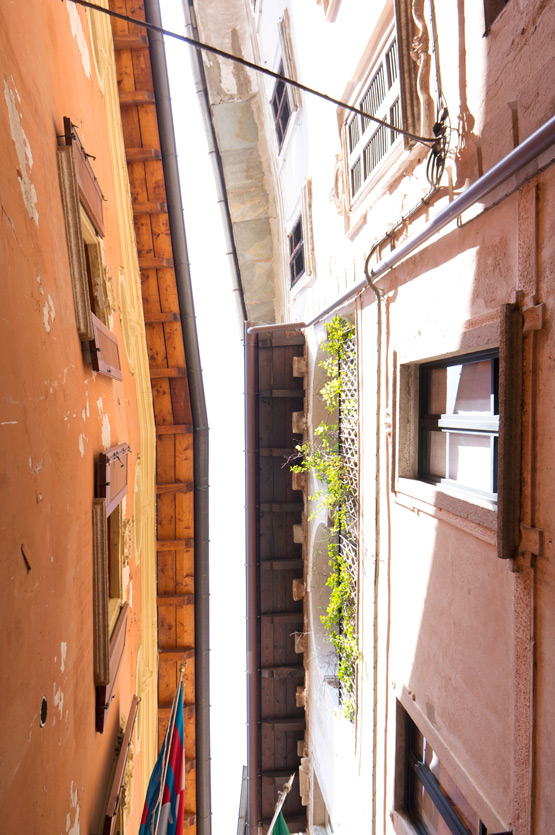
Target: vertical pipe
pixel 251 445
pixel 200 417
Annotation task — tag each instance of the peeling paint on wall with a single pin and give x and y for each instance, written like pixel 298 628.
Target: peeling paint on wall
pixel 79 35
pixel 63 650
pixel 106 431
pixel 48 314
pixel 24 155
pixel 59 700
pixel 82 440
pixel 75 828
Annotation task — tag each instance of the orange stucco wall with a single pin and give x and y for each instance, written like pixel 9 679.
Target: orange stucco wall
pixel 56 415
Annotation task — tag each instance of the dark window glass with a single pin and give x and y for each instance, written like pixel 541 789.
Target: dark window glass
pixel 296 252
pixel 281 108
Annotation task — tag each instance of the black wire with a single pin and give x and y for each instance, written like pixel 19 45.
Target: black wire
pixel 222 54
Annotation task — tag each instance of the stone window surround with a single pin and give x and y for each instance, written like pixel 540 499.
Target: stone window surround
pixel 496 524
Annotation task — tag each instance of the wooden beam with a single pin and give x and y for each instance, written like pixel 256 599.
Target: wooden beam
pixel 188 710
pixel 175 599
pixel 157 373
pixel 150 262
pixel 128 40
pixel 282 672
pixel 282 565
pixel 189 819
pixel 174 544
pixel 176 487
pixel 291 723
pixel 283 617
pixel 180 653
pixel 281 507
pixel 277 452
pixel 291 393
pixel 156 318
pixel 128 98
pixel 142 154
pixel 174 429
pixel 151 208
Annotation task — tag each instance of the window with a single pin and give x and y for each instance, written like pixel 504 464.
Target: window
pixel 459 422
pixel 431 799
pixel 367 142
pixel 280 108
pixel 111 549
pixel 491 9
pixel 82 203
pixel 296 252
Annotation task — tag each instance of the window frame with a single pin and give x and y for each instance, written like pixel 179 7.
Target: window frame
pixel 418 773
pixel 296 250
pixel 279 100
pixel 358 136
pixel 502 519
pixel 82 201
pixel 454 424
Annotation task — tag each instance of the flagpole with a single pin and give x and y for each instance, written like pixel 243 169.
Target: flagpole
pixel 168 747
pixel 281 800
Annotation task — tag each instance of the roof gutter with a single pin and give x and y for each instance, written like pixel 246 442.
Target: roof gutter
pixel 200 417
pixel 213 149
pixel 518 158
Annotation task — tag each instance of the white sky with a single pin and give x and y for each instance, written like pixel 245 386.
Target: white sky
pixel 222 360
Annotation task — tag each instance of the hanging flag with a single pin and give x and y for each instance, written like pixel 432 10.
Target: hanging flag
pixel 281 827
pixel 165 796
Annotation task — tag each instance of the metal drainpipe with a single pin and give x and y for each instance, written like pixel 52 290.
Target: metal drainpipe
pixel 214 152
pixel 252 571
pixel 200 418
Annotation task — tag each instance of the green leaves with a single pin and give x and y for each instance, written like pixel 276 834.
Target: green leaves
pixel 323 458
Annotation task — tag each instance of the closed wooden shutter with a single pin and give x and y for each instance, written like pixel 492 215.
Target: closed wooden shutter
pixel 105 692
pixel 112 476
pixel 119 773
pixel 105 350
pixel 90 192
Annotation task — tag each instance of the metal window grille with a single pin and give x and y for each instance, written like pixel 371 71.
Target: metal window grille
pixel 348 449
pixel 368 145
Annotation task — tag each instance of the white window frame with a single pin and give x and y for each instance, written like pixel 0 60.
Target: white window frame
pixel 382 100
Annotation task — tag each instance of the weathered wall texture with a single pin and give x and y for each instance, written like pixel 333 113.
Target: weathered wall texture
pixel 56 416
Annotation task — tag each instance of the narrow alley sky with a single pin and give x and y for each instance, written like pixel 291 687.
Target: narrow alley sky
pixel 222 360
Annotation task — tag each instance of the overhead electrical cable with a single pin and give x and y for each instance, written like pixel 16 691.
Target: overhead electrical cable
pixel 424 140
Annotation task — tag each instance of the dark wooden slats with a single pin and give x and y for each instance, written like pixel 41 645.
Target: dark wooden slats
pixel 281 507
pixel 89 188
pixel 282 565
pixel 289 393
pixel 286 723
pixel 282 672
pixel 155 318
pixel 283 617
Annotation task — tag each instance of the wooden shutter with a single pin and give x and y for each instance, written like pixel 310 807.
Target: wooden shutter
pixel 112 476
pixel 90 192
pixel 105 355
pixel 105 692
pixel 119 773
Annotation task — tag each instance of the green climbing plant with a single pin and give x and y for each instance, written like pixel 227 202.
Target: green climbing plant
pixel 322 457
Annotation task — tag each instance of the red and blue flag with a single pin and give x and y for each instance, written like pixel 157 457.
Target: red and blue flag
pixel 164 804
